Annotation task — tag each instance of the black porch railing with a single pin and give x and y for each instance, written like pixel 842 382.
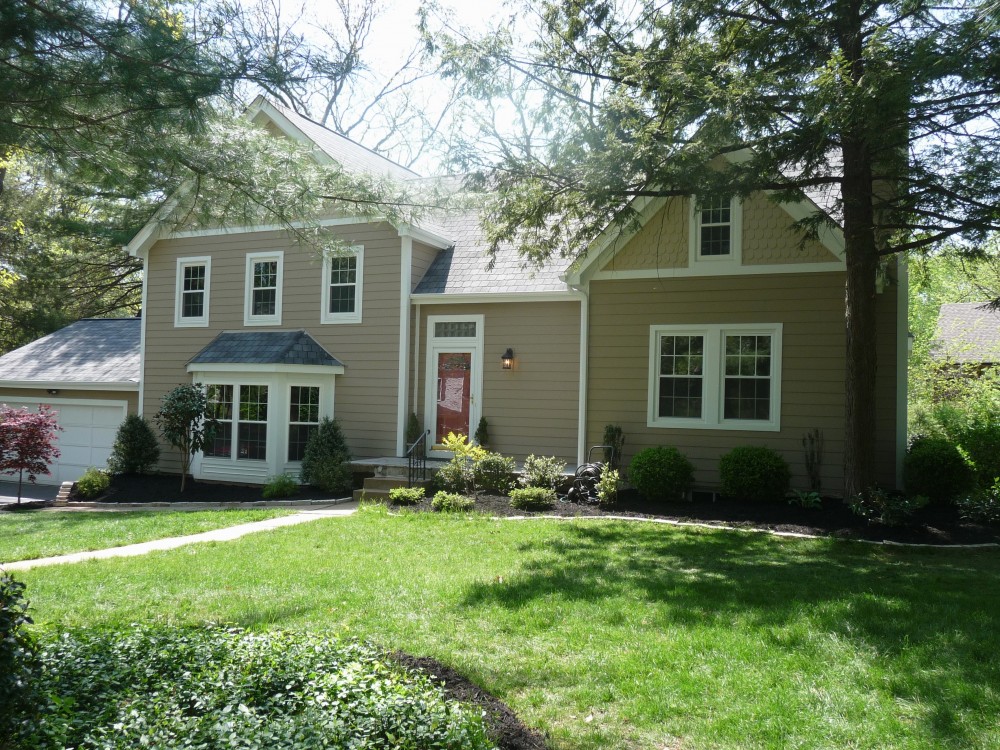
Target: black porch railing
pixel 416 460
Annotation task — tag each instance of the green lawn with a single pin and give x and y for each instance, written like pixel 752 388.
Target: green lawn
pixel 611 634
pixel 26 536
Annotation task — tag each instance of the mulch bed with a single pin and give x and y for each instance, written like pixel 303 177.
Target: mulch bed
pixel 930 525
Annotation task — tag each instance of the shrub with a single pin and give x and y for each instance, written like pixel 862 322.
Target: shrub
pixel 754 472
pixel 413 429
pixel 325 463
pixel 406 495
pixel 282 485
pixel 136 449
pixel 875 505
pixel 94 482
pixel 494 473
pixel 452 477
pixel 662 472
pixel 458 475
pixel 482 434
pixel 224 689
pixel 532 498
pixel 981 443
pixel 451 502
pixel 936 468
pixel 607 487
pixel 981 505
pixel 17 652
pixel 542 471
pixel 614 437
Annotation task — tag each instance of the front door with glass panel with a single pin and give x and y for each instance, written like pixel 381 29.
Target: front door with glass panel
pixel 454 376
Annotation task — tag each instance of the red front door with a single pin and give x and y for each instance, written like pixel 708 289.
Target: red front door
pixel 454 392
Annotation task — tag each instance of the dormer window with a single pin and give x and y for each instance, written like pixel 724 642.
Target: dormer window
pixel 191 295
pixel 715 231
pixel 263 289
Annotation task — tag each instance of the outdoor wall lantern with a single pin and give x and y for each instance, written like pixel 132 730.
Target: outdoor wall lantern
pixel 507 359
pixel 53 391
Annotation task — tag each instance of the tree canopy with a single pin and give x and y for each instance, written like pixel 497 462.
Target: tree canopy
pixel 888 105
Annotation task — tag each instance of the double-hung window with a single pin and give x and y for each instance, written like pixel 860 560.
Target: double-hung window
pixel 263 288
pixel 191 296
pixel 716 231
pixel 240 413
pixel 303 418
pixel 342 286
pixel 715 376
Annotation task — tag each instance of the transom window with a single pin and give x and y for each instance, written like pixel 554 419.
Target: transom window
pixel 191 307
pixel 342 277
pixel 457 329
pixel 713 376
pixel 263 303
pixel 249 416
pixel 303 419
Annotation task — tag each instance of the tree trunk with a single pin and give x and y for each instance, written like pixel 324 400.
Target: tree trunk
pixel 20 482
pixel 862 267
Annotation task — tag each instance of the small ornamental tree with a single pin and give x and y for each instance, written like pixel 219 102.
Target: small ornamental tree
pixel 185 423
pixel 27 442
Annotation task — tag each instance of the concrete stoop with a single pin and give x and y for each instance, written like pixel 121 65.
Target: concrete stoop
pixel 377 488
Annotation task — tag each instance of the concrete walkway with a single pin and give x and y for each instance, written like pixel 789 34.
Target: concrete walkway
pixel 217 535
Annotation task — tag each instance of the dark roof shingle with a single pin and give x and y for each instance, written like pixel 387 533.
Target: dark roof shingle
pixel 968 332
pixel 265 348
pixel 93 350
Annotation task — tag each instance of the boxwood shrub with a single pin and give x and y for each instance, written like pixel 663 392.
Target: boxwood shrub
pixel 936 468
pixel 661 473
pixel 452 502
pixel 406 495
pixel 754 472
pixel 533 498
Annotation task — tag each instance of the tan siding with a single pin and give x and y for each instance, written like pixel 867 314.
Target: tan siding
pixel 661 243
pixel 768 236
pixel 365 396
pixel 532 408
pixel 810 307
pixel 40 394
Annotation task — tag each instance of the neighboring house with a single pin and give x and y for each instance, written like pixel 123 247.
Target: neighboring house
pixel 705 329
pixel 88 372
pixel 968 333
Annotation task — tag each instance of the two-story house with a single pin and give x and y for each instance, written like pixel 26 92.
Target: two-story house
pixel 707 328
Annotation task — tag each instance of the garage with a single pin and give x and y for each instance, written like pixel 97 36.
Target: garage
pixel 88 433
pixel 88 373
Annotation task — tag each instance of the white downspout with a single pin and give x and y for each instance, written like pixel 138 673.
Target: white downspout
pixel 143 314
pixel 405 280
pixel 416 360
pixel 581 444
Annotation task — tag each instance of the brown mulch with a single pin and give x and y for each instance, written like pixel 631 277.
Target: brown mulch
pixel 163 488
pixel 508 731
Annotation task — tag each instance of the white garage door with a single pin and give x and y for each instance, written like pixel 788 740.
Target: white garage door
pixel 88 432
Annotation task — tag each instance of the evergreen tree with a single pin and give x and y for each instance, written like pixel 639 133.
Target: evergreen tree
pixel 326 460
pixel 890 105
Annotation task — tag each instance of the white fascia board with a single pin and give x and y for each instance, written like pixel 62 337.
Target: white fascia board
pixel 423 235
pixel 486 297
pixel 260 105
pixel 832 238
pixel 229 367
pixel 685 272
pixel 611 240
pixel 69 385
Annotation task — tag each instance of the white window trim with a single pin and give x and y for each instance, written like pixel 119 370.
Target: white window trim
pixel 182 263
pixel 713 377
pixel 290 383
pixel 353 317
pixel 262 320
pixel 735 257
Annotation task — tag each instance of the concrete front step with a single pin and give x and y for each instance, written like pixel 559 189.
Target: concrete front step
pixel 379 487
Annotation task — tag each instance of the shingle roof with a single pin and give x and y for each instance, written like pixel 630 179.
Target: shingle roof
pixel 463 268
pixel 350 155
pixel 93 350
pixel 968 332
pixel 265 348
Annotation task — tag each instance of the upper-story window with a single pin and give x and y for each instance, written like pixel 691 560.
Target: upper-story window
pixel 263 289
pixel 342 277
pixel 716 226
pixel 192 288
